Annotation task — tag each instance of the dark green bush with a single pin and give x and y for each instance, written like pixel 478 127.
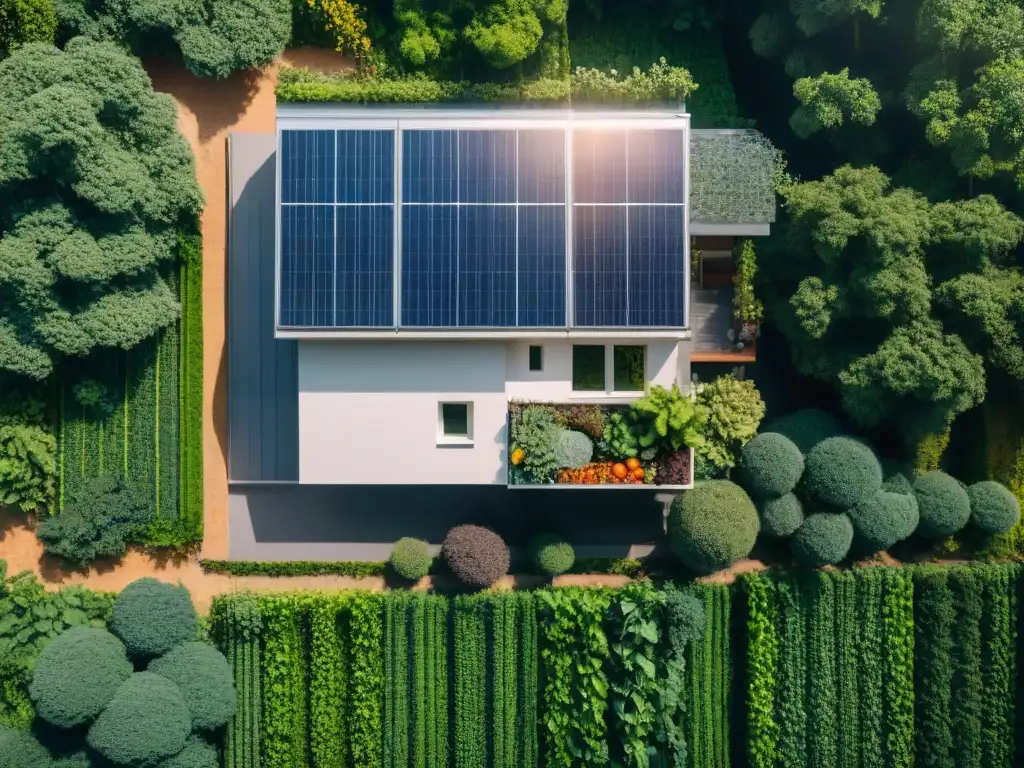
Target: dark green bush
pixel 712 526
pixel 770 465
pixel 899 478
pixel 685 617
pixel 77 675
pixel 99 521
pixel 26 21
pixel 152 617
pixel 823 539
pixel 28 452
pixel 196 754
pixel 842 472
pixel 206 682
pixel 146 721
pixel 994 509
pixel 806 427
pixel 781 517
pixel 883 520
pixel 20 749
pixel 477 555
pixel 551 555
pixel 356 569
pixel 943 504
pixel 410 559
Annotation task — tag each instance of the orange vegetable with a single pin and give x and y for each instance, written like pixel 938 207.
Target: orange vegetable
pixel 619 470
pixel 517 456
pixel 633 464
pixel 638 474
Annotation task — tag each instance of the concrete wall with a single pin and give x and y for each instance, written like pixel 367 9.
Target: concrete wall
pixel 368 412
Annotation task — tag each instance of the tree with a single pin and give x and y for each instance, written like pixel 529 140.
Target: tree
pixel 95 182
pixel 870 284
pixel 826 100
pixel 215 38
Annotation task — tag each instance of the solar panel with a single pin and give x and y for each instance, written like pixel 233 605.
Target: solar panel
pixel 307 166
pixel 429 265
pixel 366 166
pixel 657 266
pixel 487 266
pixel 657 166
pixel 364 266
pixel 430 166
pixel 541 278
pixel 599 265
pixel 487 166
pixel 307 265
pixel 599 166
pixel 541 167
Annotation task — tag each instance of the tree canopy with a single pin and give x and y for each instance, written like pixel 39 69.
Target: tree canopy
pixel 902 302
pixel 95 184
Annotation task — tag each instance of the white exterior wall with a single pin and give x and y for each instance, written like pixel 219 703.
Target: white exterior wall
pixel 368 412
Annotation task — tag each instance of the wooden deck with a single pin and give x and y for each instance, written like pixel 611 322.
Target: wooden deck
pixel 710 321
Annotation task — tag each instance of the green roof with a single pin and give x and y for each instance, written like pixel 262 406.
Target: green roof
pixel 732 177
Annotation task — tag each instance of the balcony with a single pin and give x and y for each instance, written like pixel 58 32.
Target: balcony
pixel 711 319
pixel 577 445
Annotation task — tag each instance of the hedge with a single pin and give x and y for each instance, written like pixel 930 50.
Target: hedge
pixel 356 569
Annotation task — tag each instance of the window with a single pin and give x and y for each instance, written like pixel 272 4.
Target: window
pixel 536 358
pixel 628 364
pixel 588 367
pixel 455 423
pixel 594 366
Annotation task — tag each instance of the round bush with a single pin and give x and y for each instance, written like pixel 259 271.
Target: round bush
pixel 994 509
pixel 410 559
pixel 712 526
pixel 782 516
pixel 770 465
pixel 146 721
pixel 685 618
pixel 79 759
pixel 151 617
pixel 884 519
pixel 206 682
pixel 943 504
pixel 898 478
pixel 551 555
pixel 196 754
pixel 477 555
pixel 573 449
pixel 20 749
pixel 823 539
pixel 77 675
pixel 806 427
pixel 842 472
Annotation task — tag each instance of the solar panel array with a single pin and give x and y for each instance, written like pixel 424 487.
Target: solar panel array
pixel 482 218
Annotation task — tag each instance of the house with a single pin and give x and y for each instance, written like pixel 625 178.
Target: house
pixel 398 276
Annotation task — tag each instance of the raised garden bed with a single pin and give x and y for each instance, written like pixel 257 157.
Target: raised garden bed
pixel 590 445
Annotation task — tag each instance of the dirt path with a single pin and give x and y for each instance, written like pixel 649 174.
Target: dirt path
pixel 208 110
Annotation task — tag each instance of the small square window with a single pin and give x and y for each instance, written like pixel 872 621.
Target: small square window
pixel 588 367
pixel 455 422
pixel 536 358
pixel 629 365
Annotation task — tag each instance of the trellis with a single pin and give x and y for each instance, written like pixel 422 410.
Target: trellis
pixel 732 177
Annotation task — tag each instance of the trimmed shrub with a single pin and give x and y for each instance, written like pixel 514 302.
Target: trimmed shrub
pixel 477 555
pixel 77 675
pixel 152 617
pixel 884 519
pixel 79 759
pixel 806 427
pixel 823 539
pixel 410 559
pixel 146 721
pixel 994 509
pixel 899 478
pixel 712 526
pixel 782 516
pixel 206 682
pixel 770 465
pixel 196 754
pixel 20 749
pixel 573 449
pixel 100 521
pixel 842 472
pixel 551 555
pixel 943 504
pixel 684 617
